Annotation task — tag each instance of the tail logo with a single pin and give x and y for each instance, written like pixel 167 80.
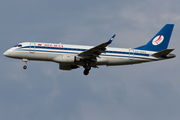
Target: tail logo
pixel 158 40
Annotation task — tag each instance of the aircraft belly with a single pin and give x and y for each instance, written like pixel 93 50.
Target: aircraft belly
pixel 124 61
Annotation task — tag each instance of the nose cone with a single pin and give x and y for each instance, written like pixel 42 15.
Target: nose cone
pixel 7 53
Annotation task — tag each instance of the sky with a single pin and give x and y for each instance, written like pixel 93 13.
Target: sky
pixel 148 91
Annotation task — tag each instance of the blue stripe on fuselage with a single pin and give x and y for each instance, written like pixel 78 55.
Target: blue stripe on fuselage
pixel 72 51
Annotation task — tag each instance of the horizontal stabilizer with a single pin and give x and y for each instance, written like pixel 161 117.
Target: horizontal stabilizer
pixel 162 53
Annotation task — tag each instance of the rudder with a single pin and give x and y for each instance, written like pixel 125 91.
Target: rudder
pixel 160 41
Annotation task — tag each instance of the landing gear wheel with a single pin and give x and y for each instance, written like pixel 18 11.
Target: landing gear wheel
pixel 87 68
pixel 86 72
pixel 25 67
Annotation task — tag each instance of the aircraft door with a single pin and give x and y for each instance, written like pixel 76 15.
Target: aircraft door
pixel 131 53
pixel 32 47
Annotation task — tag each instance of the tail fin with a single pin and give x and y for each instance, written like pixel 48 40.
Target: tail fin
pixel 160 41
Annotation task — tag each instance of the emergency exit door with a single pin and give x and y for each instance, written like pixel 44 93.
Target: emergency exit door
pixel 131 53
pixel 32 47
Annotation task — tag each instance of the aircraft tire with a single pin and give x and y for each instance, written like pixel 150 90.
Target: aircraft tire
pixel 24 67
pixel 86 72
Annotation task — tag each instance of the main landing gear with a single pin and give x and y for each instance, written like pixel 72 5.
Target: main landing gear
pixel 25 61
pixel 87 68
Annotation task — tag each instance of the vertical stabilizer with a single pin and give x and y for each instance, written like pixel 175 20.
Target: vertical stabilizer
pixel 160 41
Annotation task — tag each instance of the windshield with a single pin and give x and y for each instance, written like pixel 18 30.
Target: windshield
pixel 15 46
pixel 18 45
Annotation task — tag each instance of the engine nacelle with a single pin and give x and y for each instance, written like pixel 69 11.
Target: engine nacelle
pixel 66 59
pixel 102 61
pixel 67 67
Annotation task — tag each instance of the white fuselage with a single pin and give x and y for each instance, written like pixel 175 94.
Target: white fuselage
pixel 49 51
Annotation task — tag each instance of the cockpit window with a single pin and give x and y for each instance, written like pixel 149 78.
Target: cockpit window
pixel 15 46
pixel 19 45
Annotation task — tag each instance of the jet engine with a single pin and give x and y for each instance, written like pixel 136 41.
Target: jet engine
pixel 67 67
pixel 66 59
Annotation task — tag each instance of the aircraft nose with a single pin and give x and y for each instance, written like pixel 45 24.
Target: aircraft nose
pixel 6 53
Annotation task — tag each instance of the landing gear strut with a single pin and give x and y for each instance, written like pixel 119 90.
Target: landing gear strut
pixel 25 61
pixel 87 68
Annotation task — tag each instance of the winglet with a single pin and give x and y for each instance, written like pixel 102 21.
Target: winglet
pixel 111 38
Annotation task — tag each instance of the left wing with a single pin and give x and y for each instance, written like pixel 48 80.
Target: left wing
pixel 96 51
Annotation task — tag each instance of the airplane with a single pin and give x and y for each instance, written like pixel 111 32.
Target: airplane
pixel 73 56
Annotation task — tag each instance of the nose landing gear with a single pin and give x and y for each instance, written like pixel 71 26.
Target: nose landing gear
pixel 25 61
pixel 25 66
